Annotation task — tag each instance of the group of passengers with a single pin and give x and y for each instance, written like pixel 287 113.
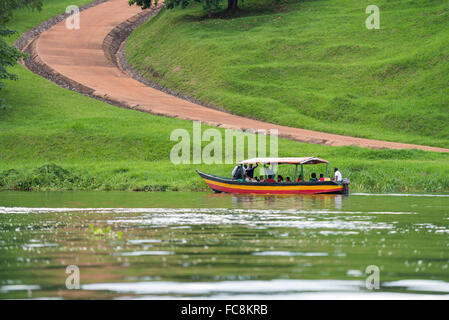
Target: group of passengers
pixel 248 175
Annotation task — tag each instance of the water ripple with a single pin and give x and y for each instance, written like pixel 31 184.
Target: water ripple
pixel 272 289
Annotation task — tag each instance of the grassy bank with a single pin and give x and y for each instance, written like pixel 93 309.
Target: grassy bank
pixel 311 64
pixel 391 175
pixel 55 139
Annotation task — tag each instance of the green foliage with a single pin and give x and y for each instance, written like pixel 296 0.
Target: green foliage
pixel 47 177
pixel 9 54
pixel 208 5
pixel 8 6
pixel 8 58
pixel 145 4
pixel 107 232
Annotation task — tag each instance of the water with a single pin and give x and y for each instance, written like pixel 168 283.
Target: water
pixel 200 245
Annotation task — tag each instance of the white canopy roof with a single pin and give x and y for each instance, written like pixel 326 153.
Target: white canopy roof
pixel 303 160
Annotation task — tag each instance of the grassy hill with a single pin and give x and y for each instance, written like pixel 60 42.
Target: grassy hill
pixel 55 139
pixel 311 64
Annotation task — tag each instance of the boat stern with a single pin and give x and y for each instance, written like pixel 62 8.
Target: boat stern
pixel 345 183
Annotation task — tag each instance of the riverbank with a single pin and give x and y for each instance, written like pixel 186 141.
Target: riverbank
pixel 55 139
pixel 377 176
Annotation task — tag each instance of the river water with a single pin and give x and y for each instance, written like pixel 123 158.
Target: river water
pixel 200 245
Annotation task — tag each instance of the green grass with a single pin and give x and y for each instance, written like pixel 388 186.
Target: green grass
pixel 56 139
pixel 311 64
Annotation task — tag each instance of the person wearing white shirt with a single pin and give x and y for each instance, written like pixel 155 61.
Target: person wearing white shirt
pixel 269 171
pixel 337 175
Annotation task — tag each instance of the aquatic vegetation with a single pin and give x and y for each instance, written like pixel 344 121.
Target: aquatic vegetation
pixel 106 232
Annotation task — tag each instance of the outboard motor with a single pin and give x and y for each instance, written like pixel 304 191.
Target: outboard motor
pixel 345 183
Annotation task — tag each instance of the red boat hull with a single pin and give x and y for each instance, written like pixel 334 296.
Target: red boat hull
pixel 219 184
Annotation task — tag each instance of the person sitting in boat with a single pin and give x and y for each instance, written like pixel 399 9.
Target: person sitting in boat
pixel 270 179
pixel 337 175
pixel 313 177
pixel 280 178
pixel 237 173
pixel 249 172
pixel 261 179
pixel 299 179
pixel 288 180
pixel 321 177
pixel 269 172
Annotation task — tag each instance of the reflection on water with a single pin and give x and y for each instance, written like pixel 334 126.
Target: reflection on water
pixel 286 201
pixel 197 245
pixel 277 289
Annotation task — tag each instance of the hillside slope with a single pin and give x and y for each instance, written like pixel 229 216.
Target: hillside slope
pixel 311 64
pixel 56 139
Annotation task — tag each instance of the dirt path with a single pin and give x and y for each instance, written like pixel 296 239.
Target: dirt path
pixel 79 56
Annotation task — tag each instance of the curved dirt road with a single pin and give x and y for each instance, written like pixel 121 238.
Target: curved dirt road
pixel 78 55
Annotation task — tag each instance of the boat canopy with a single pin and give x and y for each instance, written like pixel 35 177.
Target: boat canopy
pixel 303 160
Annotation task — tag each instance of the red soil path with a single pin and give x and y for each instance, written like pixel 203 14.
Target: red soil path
pixel 78 55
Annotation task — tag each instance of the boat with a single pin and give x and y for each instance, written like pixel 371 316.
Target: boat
pixel 230 185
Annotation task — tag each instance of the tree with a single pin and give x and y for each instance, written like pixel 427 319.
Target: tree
pixel 9 54
pixel 7 6
pixel 208 5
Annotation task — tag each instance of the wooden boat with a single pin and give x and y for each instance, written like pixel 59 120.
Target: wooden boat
pixel 230 185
